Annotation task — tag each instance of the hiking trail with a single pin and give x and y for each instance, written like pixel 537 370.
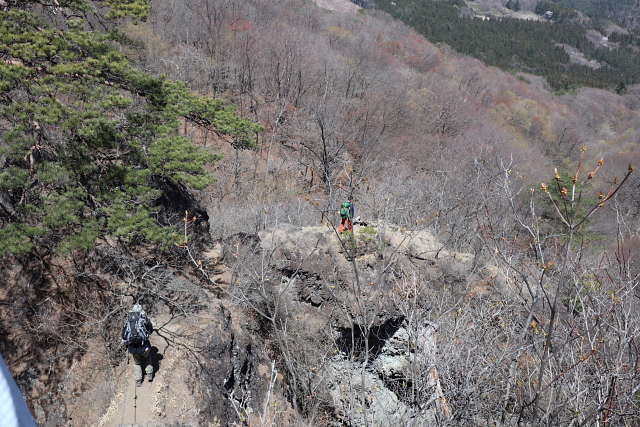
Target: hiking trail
pixel 167 398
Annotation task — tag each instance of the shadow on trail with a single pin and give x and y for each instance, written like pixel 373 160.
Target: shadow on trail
pixel 156 357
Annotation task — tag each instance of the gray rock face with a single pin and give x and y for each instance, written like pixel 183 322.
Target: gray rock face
pixel 394 359
pixel 348 286
pixel 361 397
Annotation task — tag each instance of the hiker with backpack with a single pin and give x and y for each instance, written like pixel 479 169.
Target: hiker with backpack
pixel 346 213
pixel 135 333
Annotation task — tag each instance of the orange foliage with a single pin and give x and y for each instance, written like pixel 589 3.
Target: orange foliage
pixel 241 25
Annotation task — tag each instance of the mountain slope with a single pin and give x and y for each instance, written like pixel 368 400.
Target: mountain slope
pixel 279 316
pixel 540 47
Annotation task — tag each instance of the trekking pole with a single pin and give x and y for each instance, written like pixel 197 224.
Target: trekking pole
pixel 135 403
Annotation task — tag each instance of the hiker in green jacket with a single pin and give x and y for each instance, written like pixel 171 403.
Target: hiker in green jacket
pixel 346 213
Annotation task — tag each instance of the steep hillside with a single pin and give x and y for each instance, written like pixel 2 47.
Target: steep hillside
pixel 492 277
pixel 302 326
pixel 546 47
pixel 621 16
pixel 240 346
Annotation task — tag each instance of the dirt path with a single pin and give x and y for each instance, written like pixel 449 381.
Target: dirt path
pixel 167 398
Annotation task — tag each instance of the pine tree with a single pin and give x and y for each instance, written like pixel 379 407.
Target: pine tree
pixel 86 137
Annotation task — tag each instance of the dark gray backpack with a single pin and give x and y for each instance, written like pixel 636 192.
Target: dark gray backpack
pixel 135 331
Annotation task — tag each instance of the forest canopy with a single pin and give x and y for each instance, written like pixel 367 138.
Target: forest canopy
pixel 534 47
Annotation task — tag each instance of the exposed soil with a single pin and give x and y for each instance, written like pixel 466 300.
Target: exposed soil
pixel 338 5
pixel 111 398
pixel 168 397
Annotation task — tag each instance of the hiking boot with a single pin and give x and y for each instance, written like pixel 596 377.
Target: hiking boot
pixel 138 383
pixel 150 377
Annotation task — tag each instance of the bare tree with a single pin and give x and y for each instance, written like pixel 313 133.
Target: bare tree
pixel 565 334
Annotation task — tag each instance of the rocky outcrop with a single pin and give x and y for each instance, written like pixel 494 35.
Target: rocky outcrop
pixel 292 322
pixel 350 281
